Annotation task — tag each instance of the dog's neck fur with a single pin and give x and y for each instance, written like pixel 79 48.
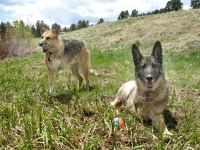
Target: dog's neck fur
pixel 49 55
pixel 145 92
pixel 56 52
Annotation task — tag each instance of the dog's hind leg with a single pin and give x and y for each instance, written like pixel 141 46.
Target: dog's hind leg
pixel 84 64
pixel 83 59
pixel 75 71
pixel 86 74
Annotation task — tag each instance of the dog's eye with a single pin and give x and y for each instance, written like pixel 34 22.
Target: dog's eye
pixel 42 37
pixel 143 66
pixel 154 65
pixel 48 38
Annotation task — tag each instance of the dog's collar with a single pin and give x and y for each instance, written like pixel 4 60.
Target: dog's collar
pixel 48 55
pixel 145 96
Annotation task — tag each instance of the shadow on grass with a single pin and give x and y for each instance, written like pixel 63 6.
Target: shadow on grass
pixel 66 97
pixel 170 120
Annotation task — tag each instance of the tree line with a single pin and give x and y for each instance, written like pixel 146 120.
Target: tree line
pixel 81 24
pixel 173 5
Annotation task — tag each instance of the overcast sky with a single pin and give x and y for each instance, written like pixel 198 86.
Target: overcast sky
pixel 66 12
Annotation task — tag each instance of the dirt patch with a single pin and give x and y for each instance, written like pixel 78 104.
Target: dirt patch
pixel 185 93
pixel 106 72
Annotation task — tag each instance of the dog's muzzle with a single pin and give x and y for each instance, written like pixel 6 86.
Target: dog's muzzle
pixel 40 43
pixel 44 47
pixel 149 80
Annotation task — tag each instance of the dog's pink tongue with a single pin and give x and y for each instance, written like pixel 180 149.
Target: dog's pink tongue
pixel 149 84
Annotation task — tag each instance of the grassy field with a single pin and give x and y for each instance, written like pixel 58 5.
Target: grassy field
pixel 81 119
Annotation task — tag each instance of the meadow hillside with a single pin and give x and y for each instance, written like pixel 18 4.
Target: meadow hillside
pixel 178 31
pixel 79 119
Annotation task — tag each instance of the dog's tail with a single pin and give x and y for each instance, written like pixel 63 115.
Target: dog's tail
pixel 93 73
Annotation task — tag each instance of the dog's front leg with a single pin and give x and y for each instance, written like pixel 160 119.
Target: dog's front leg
pixel 51 78
pixel 159 124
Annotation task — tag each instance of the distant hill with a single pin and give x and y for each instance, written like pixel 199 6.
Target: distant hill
pixel 177 29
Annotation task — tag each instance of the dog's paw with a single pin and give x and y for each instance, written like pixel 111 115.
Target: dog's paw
pixel 166 132
pixel 167 135
pixel 112 103
pixel 50 92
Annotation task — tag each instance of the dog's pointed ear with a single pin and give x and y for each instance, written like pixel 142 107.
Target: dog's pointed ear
pixel 157 52
pixel 137 57
pixel 56 30
pixel 42 29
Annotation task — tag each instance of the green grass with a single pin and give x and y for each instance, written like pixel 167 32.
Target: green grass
pixel 81 119
pixel 184 69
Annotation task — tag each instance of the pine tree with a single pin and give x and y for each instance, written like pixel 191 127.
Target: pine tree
pixel 195 4
pixel 134 13
pixel 33 30
pixel 73 27
pixel 174 5
pixel 100 21
pixel 123 14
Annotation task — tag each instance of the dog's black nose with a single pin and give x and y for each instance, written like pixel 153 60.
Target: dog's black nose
pixel 149 78
pixel 40 43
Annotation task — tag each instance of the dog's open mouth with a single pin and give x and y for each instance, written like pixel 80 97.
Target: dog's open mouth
pixel 45 48
pixel 149 84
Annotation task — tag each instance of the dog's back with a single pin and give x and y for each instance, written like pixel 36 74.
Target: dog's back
pixel 72 47
pixel 124 97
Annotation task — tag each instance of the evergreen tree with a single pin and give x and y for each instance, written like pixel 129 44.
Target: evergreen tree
pixel 87 23
pixel 3 27
pixel 73 27
pixel 126 14
pixel 174 5
pixel 195 4
pixel 134 13
pixel 82 24
pixel 65 29
pixel 38 34
pixel 38 25
pixel 156 11
pixel 79 24
pixel 33 30
pixel 100 21
pixel 54 25
pixel 163 10
pixel 123 14
pixel 2 31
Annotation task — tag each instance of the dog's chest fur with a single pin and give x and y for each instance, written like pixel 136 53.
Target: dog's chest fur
pixel 59 64
pixel 55 64
pixel 151 101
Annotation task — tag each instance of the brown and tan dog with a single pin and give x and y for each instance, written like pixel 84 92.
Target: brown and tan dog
pixel 148 95
pixel 61 53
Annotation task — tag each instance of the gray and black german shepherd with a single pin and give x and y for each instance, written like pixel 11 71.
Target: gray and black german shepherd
pixel 148 95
